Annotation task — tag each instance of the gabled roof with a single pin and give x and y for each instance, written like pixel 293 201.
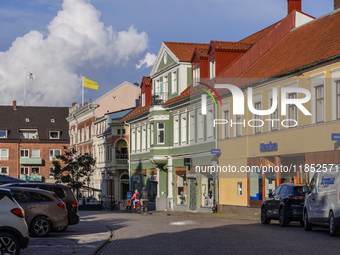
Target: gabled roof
pixel 137 112
pixel 316 41
pixel 258 35
pixel 39 118
pixel 183 51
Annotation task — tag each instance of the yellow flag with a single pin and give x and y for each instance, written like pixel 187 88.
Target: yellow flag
pixel 90 84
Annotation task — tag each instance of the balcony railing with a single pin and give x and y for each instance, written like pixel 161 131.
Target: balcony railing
pixel 159 98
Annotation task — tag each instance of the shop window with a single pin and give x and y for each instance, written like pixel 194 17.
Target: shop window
pixel 181 185
pixel 207 191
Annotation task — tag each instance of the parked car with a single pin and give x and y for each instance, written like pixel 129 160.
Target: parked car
pixel 322 201
pixel 13 228
pixel 43 210
pixel 63 192
pixel 284 204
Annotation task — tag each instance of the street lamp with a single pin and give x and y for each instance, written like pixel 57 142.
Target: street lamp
pixel 111 184
pixel 214 163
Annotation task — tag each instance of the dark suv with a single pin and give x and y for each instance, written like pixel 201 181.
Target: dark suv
pixel 284 204
pixel 63 192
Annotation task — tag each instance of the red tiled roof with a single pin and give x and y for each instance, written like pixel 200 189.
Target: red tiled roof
pixel 311 43
pixel 136 112
pixel 221 45
pixel 258 35
pixel 183 51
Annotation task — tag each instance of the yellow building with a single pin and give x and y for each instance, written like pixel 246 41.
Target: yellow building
pixel 259 152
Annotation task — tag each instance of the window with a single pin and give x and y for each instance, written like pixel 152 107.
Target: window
pixel 4 170
pixel 292 110
pixel 138 138
pixel 118 131
pixel 257 128
pixel 3 133
pixel 338 99
pixel 152 135
pixel 160 133
pixel 148 137
pixel 35 170
pixel 319 103
pixel 123 131
pixel 28 134
pixel 226 117
pixel 21 196
pixel 274 125
pixel 133 140
pixel 174 82
pixel 192 126
pixel 210 123
pixel 143 99
pixel 212 69
pixel 54 134
pixel 54 154
pixel 24 153
pixel 184 128
pixel 238 125
pixel 108 154
pixel 35 153
pixel 3 154
pixel 24 170
pixel 87 133
pixel 200 125
pixel 51 172
pixel 37 197
pixel 176 130
pixel 143 138
pixel 196 75
pixel 239 188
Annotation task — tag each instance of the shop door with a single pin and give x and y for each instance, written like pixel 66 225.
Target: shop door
pixel 193 194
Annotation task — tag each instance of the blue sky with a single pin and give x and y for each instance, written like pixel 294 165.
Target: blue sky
pixel 130 29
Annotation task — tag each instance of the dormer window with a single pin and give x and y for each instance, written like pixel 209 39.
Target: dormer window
pixel 212 69
pixel 3 133
pixel 29 134
pixel 143 99
pixel 54 134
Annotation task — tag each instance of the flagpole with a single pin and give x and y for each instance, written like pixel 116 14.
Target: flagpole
pixel 25 87
pixel 82 91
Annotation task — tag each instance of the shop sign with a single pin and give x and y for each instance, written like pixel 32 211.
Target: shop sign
pixel 136 178
pixel 268 147
pixel 335 137
pixel 153 178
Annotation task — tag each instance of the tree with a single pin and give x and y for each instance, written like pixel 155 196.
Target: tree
pixel 71 168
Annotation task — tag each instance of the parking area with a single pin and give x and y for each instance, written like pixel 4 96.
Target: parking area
pixel 182 233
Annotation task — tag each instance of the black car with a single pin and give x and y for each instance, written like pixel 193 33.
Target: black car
pixel 284 204
pixel 63 192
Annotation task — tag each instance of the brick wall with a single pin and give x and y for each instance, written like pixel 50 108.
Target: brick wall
pixel 336 4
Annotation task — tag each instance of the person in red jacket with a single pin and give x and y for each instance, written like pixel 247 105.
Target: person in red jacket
pixel 135 198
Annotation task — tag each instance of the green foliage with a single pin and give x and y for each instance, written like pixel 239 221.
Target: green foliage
pixel 71 168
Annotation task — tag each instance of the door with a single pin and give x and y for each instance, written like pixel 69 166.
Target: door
pixel 193 194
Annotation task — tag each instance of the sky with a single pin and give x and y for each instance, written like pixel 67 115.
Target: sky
pixel 46 46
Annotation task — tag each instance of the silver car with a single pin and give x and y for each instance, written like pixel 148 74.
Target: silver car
pixel 43 210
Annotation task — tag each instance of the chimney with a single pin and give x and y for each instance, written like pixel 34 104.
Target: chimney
pixel 14 105
pixel 294 5
pixel 336 4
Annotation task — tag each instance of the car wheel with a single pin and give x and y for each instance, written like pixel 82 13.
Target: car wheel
pixel 332 229
pixel 40 227
pixel 264 218
pixel 60 229
pixel 307 225
pixel 9 244
pixel 283 219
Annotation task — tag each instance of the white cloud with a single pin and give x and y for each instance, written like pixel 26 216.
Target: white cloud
pixel 76 39
pixel 148 61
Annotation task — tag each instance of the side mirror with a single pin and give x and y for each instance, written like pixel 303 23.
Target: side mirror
pixel 305 189
pixel 270 195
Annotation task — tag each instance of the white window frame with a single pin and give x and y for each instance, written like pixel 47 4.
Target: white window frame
pixel 176 130
pixel 50 134
pixel 316 81
pixel 257 129
pixel 4 157
pixel 196 75
pixel 192 126
pixel 4 167
pixel 226 116
pixel 26 155
pixel 5 134
pixel 200 125
pixel 35 150
pixel 151 135
pixel 184 128
pixel 159 131
pixel 212 69
pixel 26 170
pixel 138 143
pixel 273 125
pixel 51 175
pixel 143 99
pixel 210 122
pixel 322 100
pixel 174 82
pixel 33 167
pixel 54 154
pixel 238 126
pixel 143 138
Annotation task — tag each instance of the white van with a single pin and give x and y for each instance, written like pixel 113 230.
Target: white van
pixel 322 200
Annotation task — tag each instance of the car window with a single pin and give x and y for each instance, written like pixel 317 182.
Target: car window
pixel 297 191
pixel 284 190
pixel 21 196
pixel 277 191
pixel 37 197
pixel 59 192
pixel 312 184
